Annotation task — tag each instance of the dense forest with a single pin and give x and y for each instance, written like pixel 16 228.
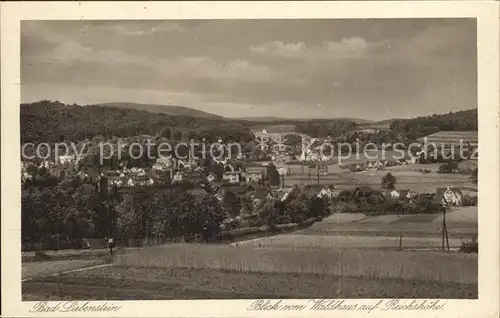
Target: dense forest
pixel 408 130
pixel 421 126
pixel 47 121
pixel 316 128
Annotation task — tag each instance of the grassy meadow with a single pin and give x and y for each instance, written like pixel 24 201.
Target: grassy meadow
pixel 189 271
pixel 129 283
pixel 446 267
pixel 407 177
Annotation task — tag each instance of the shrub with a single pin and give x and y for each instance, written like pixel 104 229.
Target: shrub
pixel 274 228
pixel 264 228
pixel 469 201
pixel 447 167
pixel 347 207
pixel 41 256
pixel 288 226
pixel 470 246
pixel 239 232
pixel 310 221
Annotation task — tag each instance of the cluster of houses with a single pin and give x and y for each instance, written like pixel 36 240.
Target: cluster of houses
pixel 178 171
pixel 241 180
pixel 373 165
pixel 449 195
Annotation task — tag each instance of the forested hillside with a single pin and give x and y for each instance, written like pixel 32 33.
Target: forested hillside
pixel 314 127
pixel 53 121
pixel 409 130
pixel 421 126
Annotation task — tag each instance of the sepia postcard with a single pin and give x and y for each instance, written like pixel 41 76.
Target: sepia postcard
pixel 250 159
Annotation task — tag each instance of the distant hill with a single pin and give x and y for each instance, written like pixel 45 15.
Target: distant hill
pixel 165 109
pixel 267 119
pixel 259 119
pixel 464 120
pixel 453 121
pixel 357 121
pixel 386 121
pixel 414 128
pixel 271 128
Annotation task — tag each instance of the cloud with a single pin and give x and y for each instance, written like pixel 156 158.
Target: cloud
pixel 278 68
pixel 139 28
pixel 345 48
pixel 278 48
pixel 194 67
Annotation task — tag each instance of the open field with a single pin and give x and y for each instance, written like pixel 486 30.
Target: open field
pixel 463 215
pixel 462 223
pixel 344 256
pixel 447 267
pixel 406 178
pixel 72 254
pixel 352 240
pixel 122 283
pixel 66 254
pixel 40 269
pixel 181 271
pixel 361 231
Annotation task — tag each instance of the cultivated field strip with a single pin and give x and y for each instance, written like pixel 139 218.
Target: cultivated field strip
pixel 425 266
pixel 127 283
pixel 348 241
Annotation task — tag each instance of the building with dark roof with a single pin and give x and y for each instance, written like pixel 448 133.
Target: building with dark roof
pixel 232 176
pixel 450 195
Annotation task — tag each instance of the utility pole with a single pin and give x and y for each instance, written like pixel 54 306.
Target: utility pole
pixel 445 230
pixel 146 234
pixel 317 171
pixel 442 237
pixel 401 233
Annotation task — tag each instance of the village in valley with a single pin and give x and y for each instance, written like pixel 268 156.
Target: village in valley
pixel 150 179
pixel 324 175
pixel 280 169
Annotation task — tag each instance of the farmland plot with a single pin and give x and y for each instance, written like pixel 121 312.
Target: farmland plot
pixel 123 283
pixel 447 267
pixel 350 241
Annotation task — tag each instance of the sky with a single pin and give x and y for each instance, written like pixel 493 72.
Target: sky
pixel 360 68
